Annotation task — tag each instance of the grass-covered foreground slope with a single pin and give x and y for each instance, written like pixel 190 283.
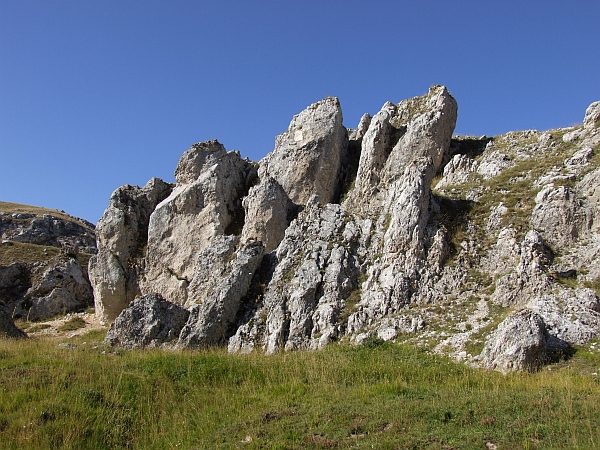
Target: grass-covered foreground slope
pixel 86 396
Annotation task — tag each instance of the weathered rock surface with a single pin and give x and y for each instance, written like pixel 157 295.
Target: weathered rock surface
pixel 47 229
pixel 572 316
pixel 457 170
pixel 211 321
pixel 519 343
pixel 529 277
pixel 62 288
pixel 308 156
pixel 122 239
pixel 268 214
pixel 194 214
pixel 318 264
pixel 337 235
pixel 149 321
pixel 559 216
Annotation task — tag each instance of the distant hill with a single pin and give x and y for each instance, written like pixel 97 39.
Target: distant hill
pixel 44 254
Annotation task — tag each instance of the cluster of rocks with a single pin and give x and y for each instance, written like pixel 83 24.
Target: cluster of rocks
pixel 47 229
pixel 337 235
pixel 327 235
pixel 57 282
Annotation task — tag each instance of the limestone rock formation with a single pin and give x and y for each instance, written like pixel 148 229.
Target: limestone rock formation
pixel 210 321
pixel 62 288
pixel 149 321
pixel 339 235
pixel 122 234
pixel 308 156
pixel 194 214
pixel 519 343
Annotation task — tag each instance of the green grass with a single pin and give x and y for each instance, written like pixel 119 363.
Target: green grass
pixel 385 396
pixel 26 253
pixel 75 323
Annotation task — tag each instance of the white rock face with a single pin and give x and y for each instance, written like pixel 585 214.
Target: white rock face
pixel 519 343
pixel 121 237
pixel 559 216
pixel 196 212
pixel 209 322
pixel 268 210
pixel 308 156
pixel 336 235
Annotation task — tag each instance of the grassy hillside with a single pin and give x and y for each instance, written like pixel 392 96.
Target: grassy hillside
pixel 17 208
pixel 29 253
pixel 379 396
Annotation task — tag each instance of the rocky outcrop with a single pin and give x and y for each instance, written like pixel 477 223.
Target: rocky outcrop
pixel 211 321
pixel 48 229
pixel 62 288
pixel 193 215
pixel 44 250
pixel 122 240
pixel 149 321
pixel 336 235
pixel 308 156
pixel 519 343
pixel 401 152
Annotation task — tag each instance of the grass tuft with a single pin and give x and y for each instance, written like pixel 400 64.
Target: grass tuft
pixel 75 323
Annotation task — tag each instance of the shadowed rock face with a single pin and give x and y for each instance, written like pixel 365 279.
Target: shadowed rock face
pixel 149 321
pixel 7 326
pixel 336 235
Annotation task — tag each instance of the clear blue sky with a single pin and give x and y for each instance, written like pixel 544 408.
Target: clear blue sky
pixel 95 94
